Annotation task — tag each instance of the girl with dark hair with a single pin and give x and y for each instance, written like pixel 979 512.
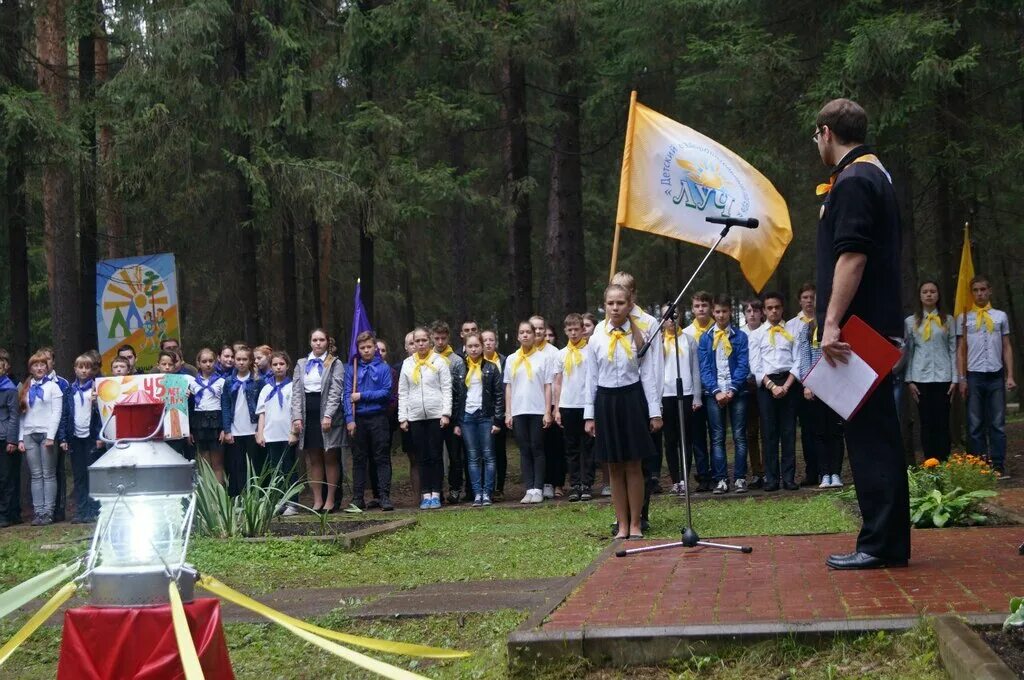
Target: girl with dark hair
pixel 931 368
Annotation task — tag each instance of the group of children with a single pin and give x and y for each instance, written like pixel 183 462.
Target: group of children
pixel 593 404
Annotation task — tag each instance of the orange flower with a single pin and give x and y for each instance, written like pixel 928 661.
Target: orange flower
pixel 930 463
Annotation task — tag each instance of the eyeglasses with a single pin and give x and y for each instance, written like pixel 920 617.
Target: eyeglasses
pixel 818 132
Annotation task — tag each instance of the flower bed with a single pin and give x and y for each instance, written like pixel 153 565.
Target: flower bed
pixel 949 493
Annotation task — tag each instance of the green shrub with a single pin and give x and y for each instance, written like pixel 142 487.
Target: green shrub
pixel 251 511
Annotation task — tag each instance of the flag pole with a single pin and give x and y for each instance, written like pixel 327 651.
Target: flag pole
pixel 355 372
pixel 620 213
pixel 963 360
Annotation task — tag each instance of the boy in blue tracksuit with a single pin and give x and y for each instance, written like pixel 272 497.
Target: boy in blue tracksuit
pixel 724 367
pixel 10 457
pixel 366 418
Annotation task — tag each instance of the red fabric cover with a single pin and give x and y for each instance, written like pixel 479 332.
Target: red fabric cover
pixel 108 643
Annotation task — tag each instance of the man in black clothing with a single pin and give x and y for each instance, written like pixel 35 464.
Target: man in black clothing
pixel 858 267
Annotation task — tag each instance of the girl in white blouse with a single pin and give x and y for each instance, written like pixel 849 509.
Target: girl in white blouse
pixel 623 406
pixel 42 404
pixel 931 368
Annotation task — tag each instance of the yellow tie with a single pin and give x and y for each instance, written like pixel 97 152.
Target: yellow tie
pixel 825 188
pixel 619 337
pixel 573 355
pixel 420 363
pixel 494 359
pixel 698 331
pixel 722 336
pixel 778 330
pixel 982 318
pixel 926 331
pixel 640 323
pixel 522 358
pixel 445 353
pixel 669 342
pixel 473 368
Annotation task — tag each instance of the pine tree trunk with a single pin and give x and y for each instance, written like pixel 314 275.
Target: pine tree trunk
pixel 58 193
pixel 459 234
pixel 109 202
pixel 326 241
pixel 290 286
pixel 517 170
pixel 87 228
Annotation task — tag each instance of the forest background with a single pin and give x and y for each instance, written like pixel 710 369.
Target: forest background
pixel 462 157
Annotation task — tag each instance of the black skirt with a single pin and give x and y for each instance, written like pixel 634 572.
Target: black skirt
pixel 206 428
pixel 312 435
pixel 622 421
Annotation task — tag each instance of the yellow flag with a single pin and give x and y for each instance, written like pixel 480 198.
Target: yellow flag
pixel 964 299
pixel 673 177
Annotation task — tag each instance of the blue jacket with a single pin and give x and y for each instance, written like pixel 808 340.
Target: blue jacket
pixel 739 361
pixel 10 412
pixel 66 430
pixel 374 389
pixel 228 396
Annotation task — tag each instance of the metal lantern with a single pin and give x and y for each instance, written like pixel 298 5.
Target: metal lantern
pixel 145 490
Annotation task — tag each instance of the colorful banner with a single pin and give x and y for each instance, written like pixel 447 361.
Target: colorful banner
pixel 170 388
pixel 137 305
pixel 673 177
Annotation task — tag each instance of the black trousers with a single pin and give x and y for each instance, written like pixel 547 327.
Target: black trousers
pixel 880 475
pixel 456 466
pixel 828 437
pixel 10 484
pixel 807 414
pixel 59 505
pixel 83 454
pixel 236 457
pixel 933 408
pixel 579 449
pixel 555 466
pixel 428 443
pixel 669 435
pixel 501 458
pixel 282 455
pixel 529 434
pixel 372 442
pixel 778 426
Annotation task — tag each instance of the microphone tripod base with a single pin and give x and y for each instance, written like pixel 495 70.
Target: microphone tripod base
pixel 690 540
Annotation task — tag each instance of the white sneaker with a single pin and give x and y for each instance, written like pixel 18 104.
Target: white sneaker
pixel 681 488
pixel 289 511
pixel 721 487
pixel 606 491
pixel 826 482
pixel 538 496
pixel 528 498
pixel 740 486
pixel 837 482
pixel 549 491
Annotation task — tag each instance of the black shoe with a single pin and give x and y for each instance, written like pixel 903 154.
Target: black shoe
pixel 358 502
pixel 615 529
pixel 78 519
pixel 757 483
pixel 374 503
pixel 585 495
pixel 644 525
pixel 771 488
pixel 454 498
pixel 704 486
pixel 385 504
pixel 498 496
pixel 790 486
pixel 807 481
pixel 860 560
pixel 574 495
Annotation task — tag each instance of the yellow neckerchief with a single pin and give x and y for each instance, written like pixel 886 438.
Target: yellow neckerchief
pixel 814 339
pixel 982 318
pixel 494 359
pixel 722 337
pixel 445 353
pixel 698 331
pixel 542 345
pixel 824 189
pixel 805 319
pixel 473 368
pixel 420 363
pixel 635 314
pixel 926 325
pixel 778 330
pixel 520 358
pixel 573 355
pixel 619 337
pixel 669 338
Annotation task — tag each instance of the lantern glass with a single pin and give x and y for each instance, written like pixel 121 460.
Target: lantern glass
pixel 143 531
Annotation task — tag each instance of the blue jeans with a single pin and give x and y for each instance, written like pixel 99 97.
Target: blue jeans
pixel 986 410
pixel 737 409
pixel 476 434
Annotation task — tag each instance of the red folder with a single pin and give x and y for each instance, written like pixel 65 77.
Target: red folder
pixel 876 351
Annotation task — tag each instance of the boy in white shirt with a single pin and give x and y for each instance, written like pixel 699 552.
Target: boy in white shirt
pixel 570 398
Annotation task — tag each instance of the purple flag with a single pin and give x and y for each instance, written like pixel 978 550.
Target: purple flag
pixel 360 322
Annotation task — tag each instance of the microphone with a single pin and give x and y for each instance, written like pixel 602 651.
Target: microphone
pixel 746 223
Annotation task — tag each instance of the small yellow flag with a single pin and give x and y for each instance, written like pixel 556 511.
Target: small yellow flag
pixel 964 299
pixel 673 177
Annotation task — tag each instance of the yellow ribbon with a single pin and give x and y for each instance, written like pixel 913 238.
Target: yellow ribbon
pixel 403 648
pixel 722 337
pixel 23 593
pixel 926 325
pixel 982 318
pixel 38 619
pixel 825 188
pixel 635 315
pixel 445 353
pixel 698 331
pixel 494 359
pixel 668 341
pixel 186 647
pixel 573 355
pixel 778 330
pixel 520 358
pixel 814 339
pixel 420 363
pixel 619 337
pixel 473 368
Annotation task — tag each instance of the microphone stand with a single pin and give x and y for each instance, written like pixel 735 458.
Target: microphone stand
pixel 690 538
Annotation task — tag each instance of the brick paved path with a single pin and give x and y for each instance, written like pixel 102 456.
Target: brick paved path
pixel 785 579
